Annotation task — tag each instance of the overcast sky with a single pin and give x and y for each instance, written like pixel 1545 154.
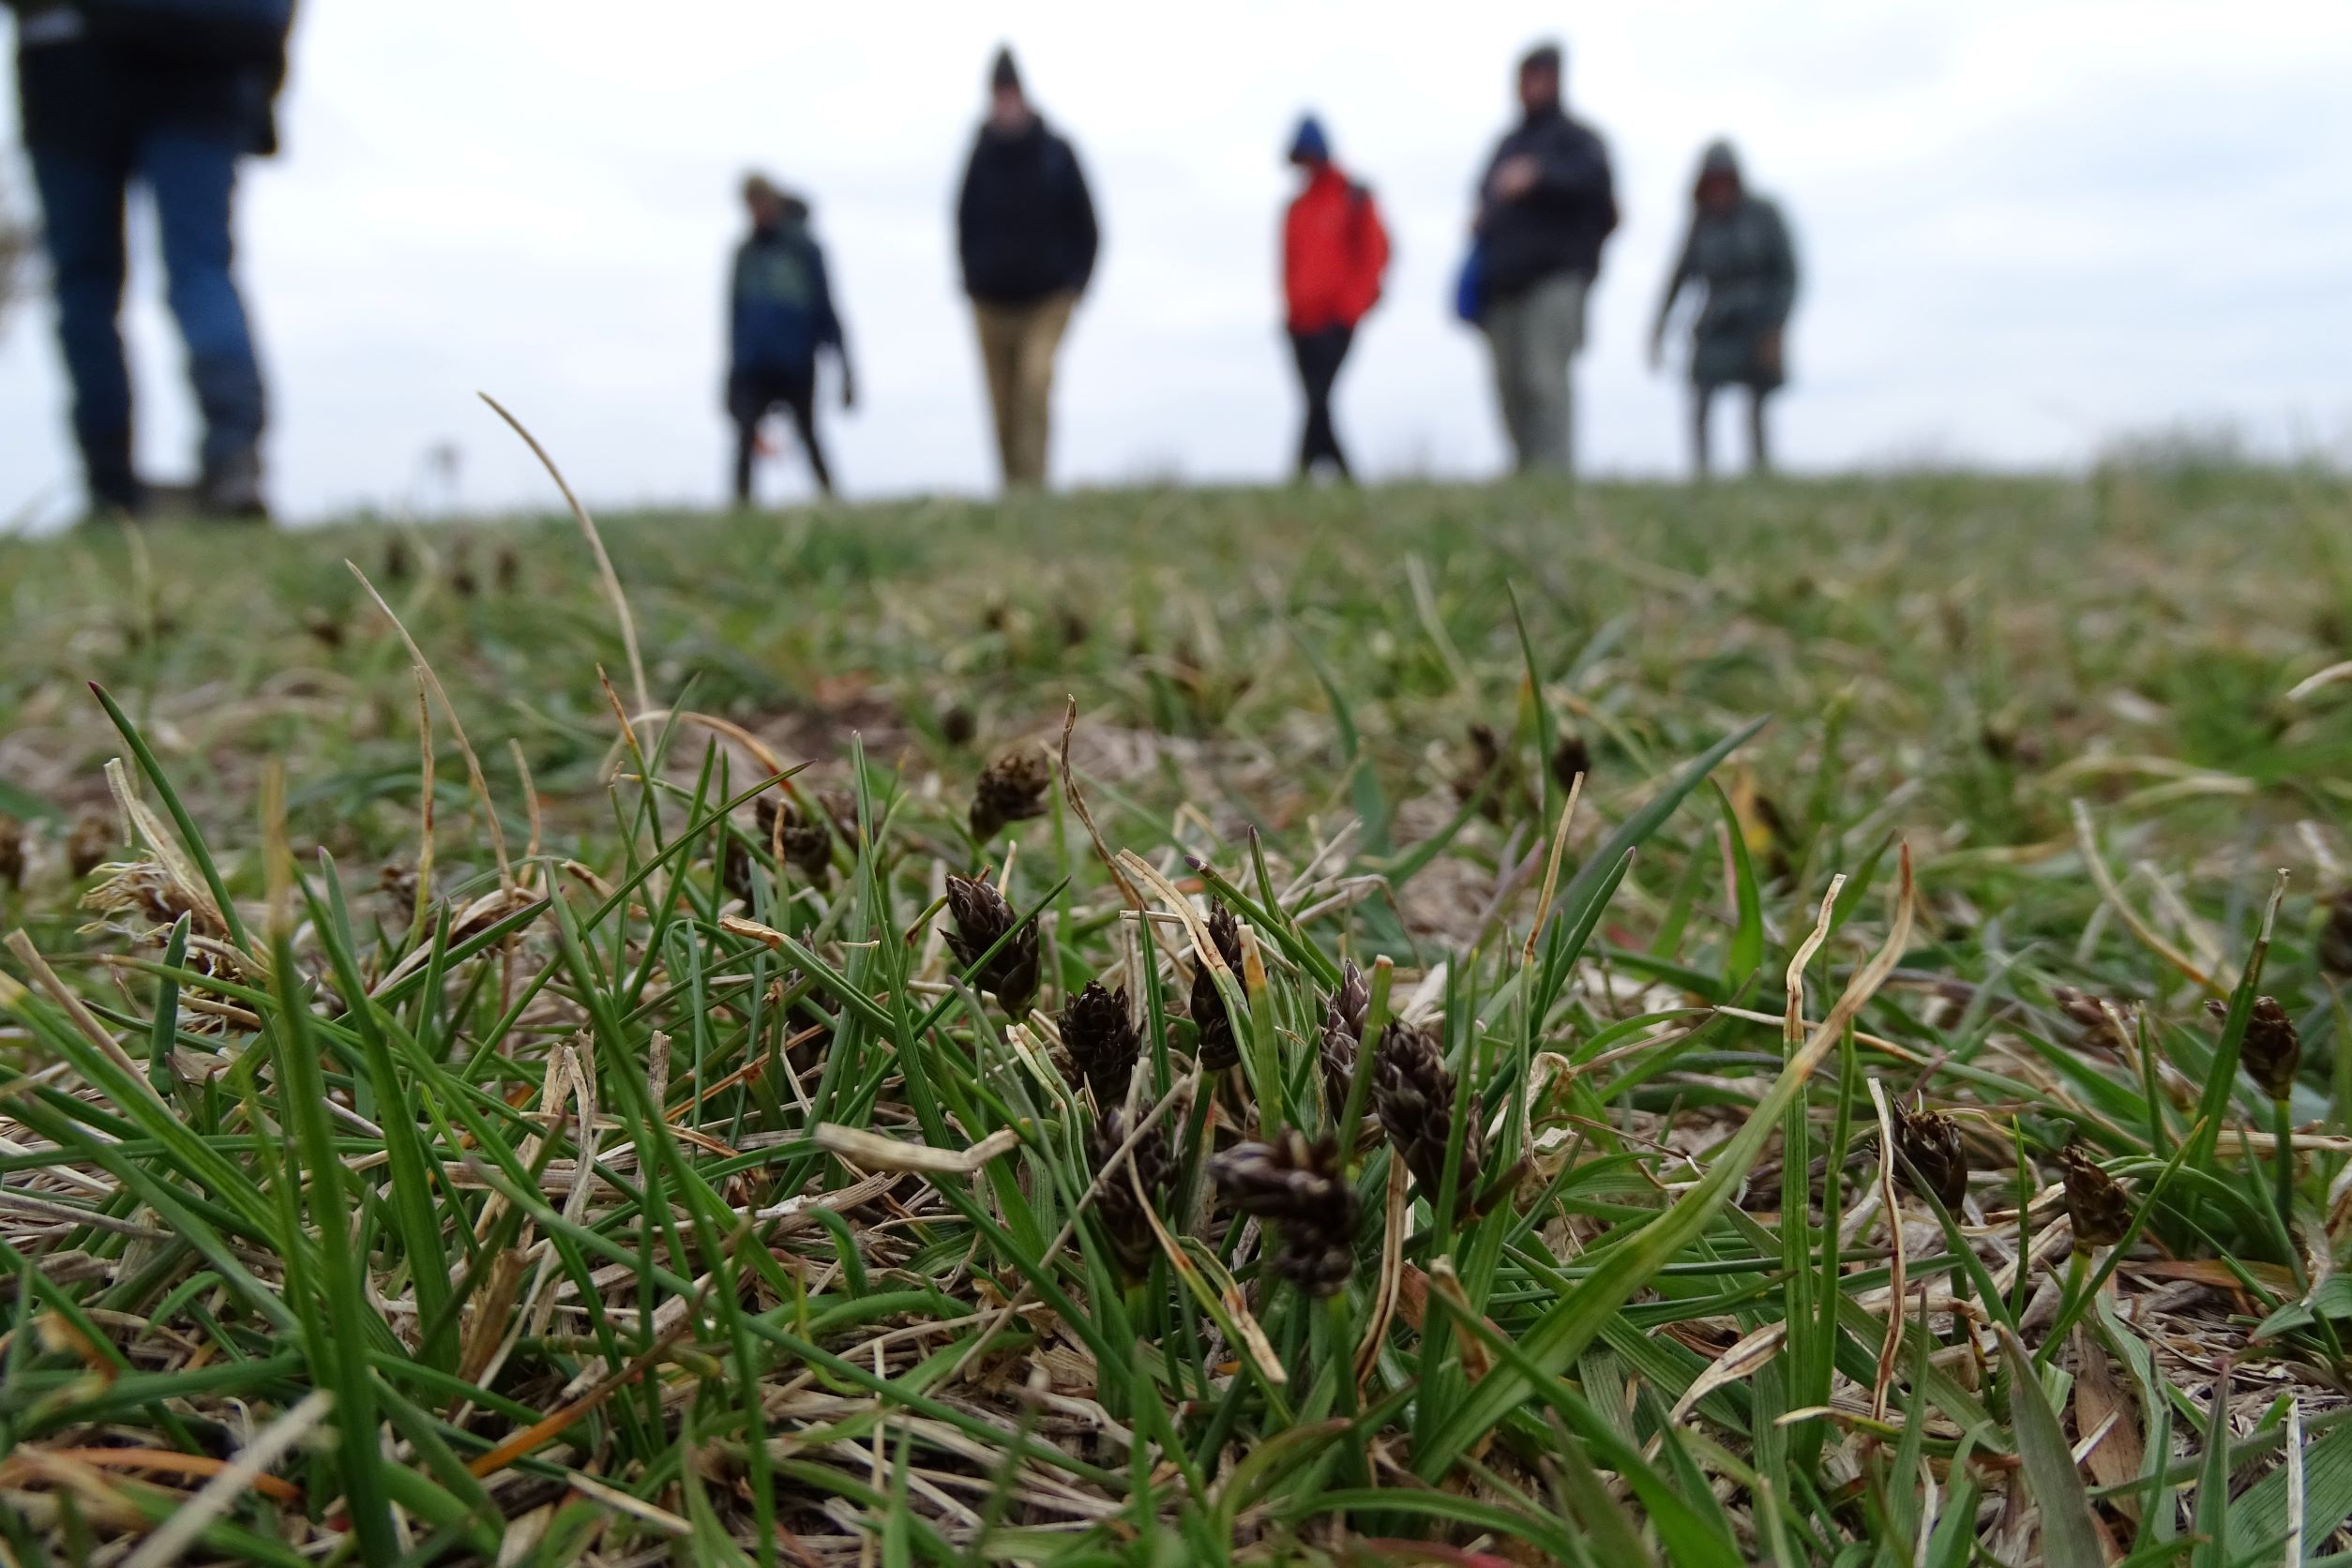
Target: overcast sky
pixel 2026 226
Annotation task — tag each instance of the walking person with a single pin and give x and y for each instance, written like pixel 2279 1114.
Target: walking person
pixel 1738 254
pixel 1027 240
pixel 1544 205
pixel 780 314
pixel 169 97
pixel 1334 252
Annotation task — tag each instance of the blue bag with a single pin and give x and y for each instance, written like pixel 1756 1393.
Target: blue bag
pixel 1469 285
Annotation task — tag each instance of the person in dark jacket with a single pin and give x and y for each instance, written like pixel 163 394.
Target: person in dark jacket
pixel 1334 252
pixel 1026 236
pixel 170 96
pixel 1738 254
pixel 780 313
pixel 1546 203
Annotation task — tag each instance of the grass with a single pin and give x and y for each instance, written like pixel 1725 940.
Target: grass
pixel 441 1120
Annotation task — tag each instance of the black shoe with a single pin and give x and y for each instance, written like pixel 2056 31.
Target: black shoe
pixel 230 490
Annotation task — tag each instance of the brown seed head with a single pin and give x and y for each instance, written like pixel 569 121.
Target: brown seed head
pixel 91 841
pixel 509 569
pixel 2271 1050
pixel 1488 764
pixel 982 916
pixel 1343 1034
pixel 956 726
pixel 11 851
pixel 399 881
pixel 1414 1092
pixel 1219 1048
pixel 1102 1041
pixel 399 565
pixel 1930 1141
pixel 325 630
pixel 1571 756
pixel 2102 1022
pixel 1012 788
pixel 1297 1185
pixel 1116 1205
pixel 2095 1201
pixel 807 847
pixel 2335 936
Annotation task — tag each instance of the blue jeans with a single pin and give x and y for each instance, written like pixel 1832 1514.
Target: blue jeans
pixel 191 175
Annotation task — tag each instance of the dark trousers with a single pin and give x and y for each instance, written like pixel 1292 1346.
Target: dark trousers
pixel 191 174
pixel 1319 355
pixel 752 396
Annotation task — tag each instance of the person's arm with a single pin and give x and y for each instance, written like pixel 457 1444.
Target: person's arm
pixel 1780 269
pixel 1676 280
pixel 736 326
pixel 1572 167
pixel 966 217
pixel 1085 228
pixel 829 333
pixel 1375 246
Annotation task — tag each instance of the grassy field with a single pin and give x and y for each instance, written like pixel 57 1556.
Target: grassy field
pixel 1430 1024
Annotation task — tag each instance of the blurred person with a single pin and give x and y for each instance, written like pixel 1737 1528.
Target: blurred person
pixel 1738 252
pixel 780 314
pixel 169 95
pixel 1334 252
pixel 1544 205
pixel 1027 240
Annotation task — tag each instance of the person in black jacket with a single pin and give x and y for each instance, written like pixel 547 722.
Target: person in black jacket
pixel 1026 236
pixel 779 315
pixel 1544 205
pixel 170 97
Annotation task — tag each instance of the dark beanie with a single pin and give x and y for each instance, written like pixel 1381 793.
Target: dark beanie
pixel 1003 74
pixel 1543 56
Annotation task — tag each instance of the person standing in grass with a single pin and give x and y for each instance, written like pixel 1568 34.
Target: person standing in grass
pixel 780 314
pixel 1334 252
pixel 1738 253
pixel 169 97
pixel 1546 203
pixel 1026 236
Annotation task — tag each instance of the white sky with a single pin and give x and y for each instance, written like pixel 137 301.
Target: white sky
pixel 2027 225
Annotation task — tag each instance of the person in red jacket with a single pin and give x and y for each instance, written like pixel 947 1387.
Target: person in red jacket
pixel 1334 251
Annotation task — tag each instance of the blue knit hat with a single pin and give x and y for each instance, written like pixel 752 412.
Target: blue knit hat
pixel 1308 144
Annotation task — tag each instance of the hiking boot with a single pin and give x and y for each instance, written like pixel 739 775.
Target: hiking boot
pixel 230 490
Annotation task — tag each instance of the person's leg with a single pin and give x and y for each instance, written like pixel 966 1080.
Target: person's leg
pixel 1702 405
pixel 1759 450
pixel 1000 358
pixel 1329 354
pixel 192 178
pixel 801 397
pixel 1504 323
pixel 745 408
pixel 82 226
pixel 1040 341
pixel 1555 332
pixel 1303 355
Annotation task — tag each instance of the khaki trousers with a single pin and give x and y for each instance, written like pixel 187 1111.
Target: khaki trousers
pixel 1534 336
pixel 1017 348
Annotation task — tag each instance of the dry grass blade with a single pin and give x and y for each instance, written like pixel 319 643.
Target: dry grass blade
pixel 220 1494
pixel 1891 1208
pixel 870 1150
pixel 490 823
pixel 595 542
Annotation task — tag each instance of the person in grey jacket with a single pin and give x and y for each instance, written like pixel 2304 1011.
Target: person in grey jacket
pixel 1738 254
pixel 1544 205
